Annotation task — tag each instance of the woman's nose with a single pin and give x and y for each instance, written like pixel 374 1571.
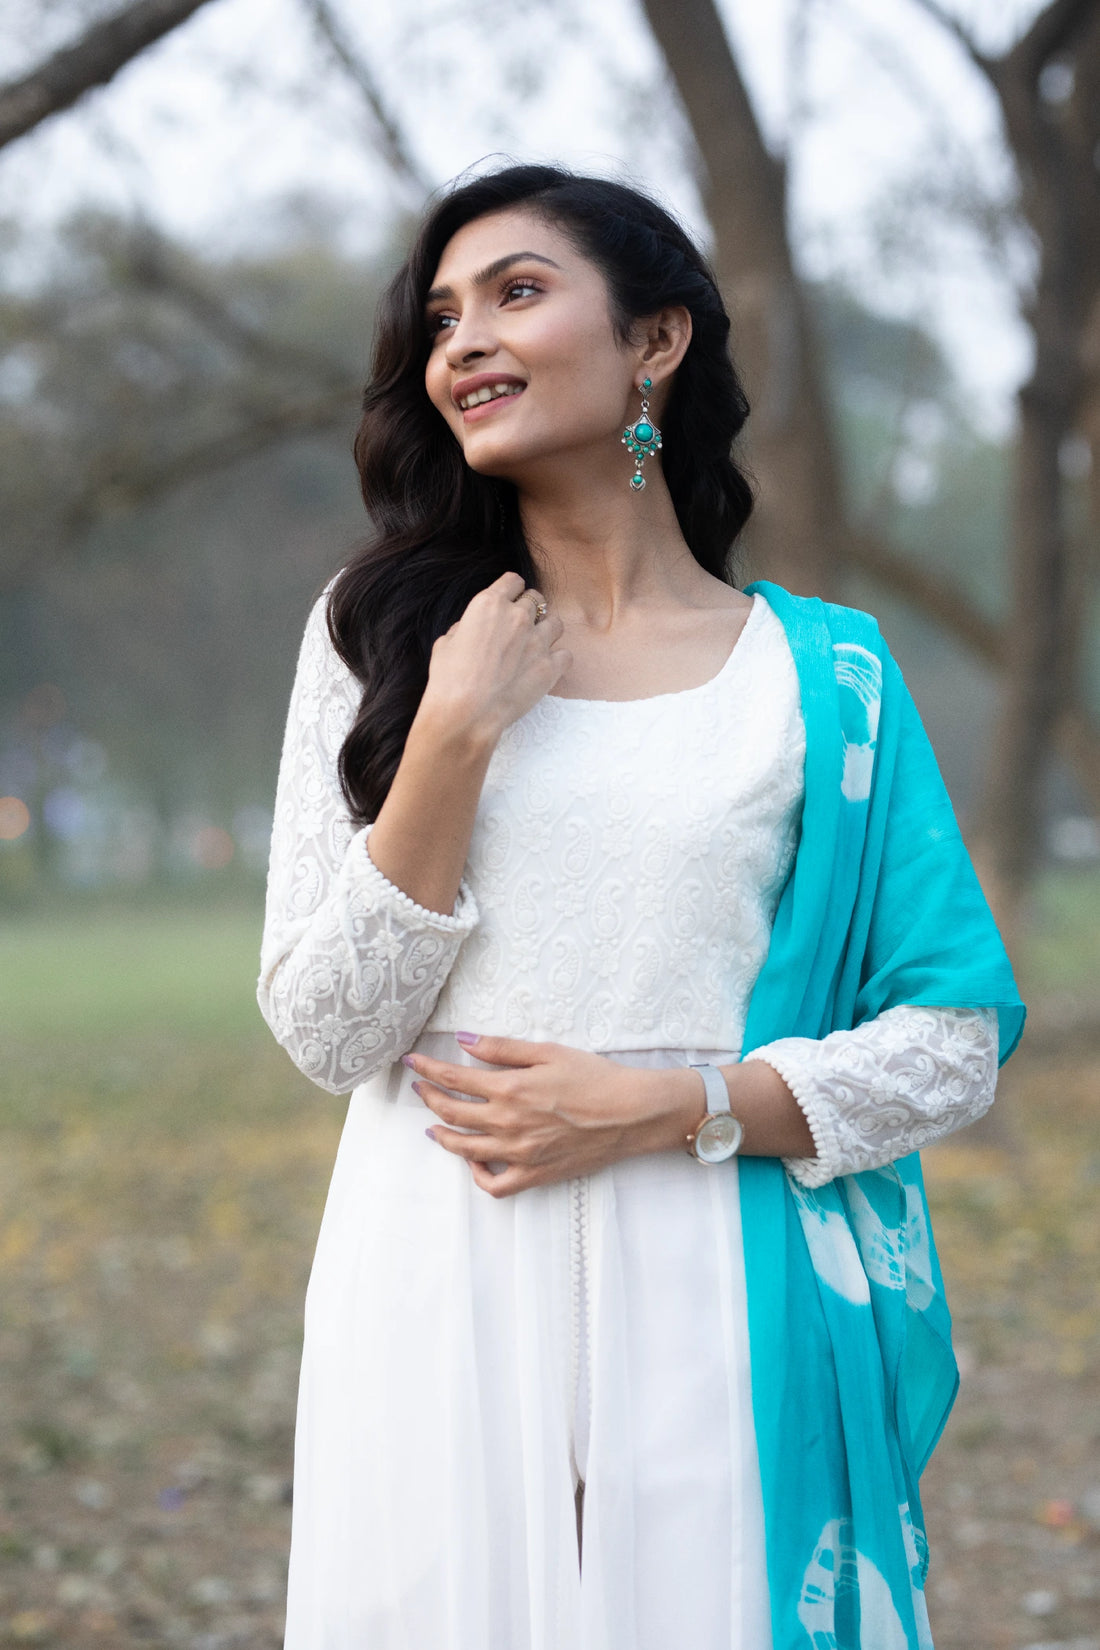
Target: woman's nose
pixel 469 338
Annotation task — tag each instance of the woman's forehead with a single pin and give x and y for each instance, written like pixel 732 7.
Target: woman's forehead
pixel 484 240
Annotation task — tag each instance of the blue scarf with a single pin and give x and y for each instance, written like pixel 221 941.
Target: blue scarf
pixel 853 1375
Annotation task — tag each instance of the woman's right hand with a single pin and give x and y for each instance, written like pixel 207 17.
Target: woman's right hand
pixel 494 662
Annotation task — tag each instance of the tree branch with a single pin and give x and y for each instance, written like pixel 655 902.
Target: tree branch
pixel 1079 745
pixel 114 490
pixel 934 595
pixel 93 60
pixel 155 267
pixel 936 12
pixel 1051 31
pixel 394 146
pixel 938 598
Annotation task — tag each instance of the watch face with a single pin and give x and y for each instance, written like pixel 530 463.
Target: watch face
pixel 718 1138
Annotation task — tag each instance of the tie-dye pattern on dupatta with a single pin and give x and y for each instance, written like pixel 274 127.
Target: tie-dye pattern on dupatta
pixel 853 1371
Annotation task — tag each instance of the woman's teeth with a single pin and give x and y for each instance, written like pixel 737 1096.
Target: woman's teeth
pixel 488 392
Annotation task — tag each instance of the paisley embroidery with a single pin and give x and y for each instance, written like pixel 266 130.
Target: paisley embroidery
pixel 651 887
pixel 887 1087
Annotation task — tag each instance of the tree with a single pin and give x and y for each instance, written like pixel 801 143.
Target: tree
pixel 1048 88
pixel 798 536
pixel 804 532
pixel 1048 85
pixel 92 60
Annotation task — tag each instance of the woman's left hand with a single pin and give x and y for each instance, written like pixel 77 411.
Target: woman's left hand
pixel 555 1112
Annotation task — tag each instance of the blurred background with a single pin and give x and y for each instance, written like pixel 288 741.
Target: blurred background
pixel 199 200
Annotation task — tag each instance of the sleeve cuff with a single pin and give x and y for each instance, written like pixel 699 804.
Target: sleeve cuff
pixel 386 894
pixel 808 1171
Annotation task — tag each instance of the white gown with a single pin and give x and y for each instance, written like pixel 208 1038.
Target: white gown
pixel 469 1359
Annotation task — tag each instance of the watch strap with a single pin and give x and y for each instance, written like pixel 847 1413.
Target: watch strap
pixel 717 1094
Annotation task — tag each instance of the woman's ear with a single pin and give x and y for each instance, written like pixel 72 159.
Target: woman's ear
pixel 665 338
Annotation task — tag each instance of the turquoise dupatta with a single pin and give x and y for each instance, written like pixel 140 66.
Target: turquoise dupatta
pixel 853 1375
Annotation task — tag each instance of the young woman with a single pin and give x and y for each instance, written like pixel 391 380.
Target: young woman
pixel 631 908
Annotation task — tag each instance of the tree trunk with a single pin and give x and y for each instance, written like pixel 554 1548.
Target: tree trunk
pixel 796 535
pixel 1054 146
pixel 800 535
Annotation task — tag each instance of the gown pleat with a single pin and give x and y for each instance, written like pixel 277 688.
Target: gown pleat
pixel 456 1384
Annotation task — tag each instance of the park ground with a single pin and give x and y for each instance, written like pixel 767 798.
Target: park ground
pixel 162 1174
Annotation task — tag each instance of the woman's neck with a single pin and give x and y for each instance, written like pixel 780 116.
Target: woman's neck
pixel 601 550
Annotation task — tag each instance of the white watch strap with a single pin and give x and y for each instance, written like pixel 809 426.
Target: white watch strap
pixel 718 1095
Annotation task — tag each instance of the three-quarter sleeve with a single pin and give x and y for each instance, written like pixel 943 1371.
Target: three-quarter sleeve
pixel 887 1087
pixel 350 966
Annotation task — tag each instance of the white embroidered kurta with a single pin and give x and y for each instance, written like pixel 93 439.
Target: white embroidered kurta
pixel 467 1359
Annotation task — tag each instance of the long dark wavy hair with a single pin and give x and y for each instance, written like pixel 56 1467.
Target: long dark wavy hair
pixel 442 532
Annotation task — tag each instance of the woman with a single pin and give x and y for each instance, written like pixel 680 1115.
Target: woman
pixel 563 814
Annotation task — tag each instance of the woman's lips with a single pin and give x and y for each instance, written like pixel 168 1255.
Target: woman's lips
pixel 471 415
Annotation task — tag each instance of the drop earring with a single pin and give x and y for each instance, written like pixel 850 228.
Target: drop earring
pixel 641 439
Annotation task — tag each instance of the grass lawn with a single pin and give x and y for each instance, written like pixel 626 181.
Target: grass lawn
pixel 162 1175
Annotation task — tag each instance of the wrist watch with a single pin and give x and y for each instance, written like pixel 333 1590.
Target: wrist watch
pixel 719 1135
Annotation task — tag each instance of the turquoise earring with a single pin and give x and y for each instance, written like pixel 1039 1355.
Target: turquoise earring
pixel 641 439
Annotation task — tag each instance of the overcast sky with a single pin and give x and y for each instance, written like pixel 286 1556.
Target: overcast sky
pixel 212 131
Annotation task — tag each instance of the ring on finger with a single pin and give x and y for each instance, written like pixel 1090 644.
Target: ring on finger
pixel 541 608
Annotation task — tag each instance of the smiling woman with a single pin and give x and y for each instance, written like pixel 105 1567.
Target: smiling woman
pixel 592 1275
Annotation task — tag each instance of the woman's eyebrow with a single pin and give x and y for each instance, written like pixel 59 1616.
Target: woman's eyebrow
pixel 490 273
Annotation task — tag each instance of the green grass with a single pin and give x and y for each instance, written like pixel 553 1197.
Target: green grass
pixel 103 975
pixel 162 1173
pixel 144 1020
pixel 1062 951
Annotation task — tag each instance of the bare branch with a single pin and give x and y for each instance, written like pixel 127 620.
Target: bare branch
pixel 1050 33
pixel 933 594
pixel 1079 745
pixel 154 267
pixel 93 60
pixel 936 12
pixel 113 490
pixel 940 599
pixel 394 145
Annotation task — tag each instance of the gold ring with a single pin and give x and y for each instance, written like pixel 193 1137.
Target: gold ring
pixel 541 608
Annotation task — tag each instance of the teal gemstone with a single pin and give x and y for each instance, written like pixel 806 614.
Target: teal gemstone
pixel 637 482
pixel 643 431
pixel 647 383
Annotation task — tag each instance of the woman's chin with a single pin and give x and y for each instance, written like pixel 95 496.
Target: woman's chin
pixel 501 463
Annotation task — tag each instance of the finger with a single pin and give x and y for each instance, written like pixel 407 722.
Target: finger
pixel 476 1148
pixel 505 1184
pixel 508 584
pixel 561 657
pixel 463 1079
pixel 504 1051
pixel 471 1114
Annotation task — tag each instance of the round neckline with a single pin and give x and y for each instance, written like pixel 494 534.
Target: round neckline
pixel 676 693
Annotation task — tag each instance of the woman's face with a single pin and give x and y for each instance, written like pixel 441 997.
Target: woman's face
pixel 515 306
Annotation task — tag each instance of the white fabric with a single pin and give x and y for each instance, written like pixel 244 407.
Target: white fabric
pixel 350 966
pixel 888 1087
pixel 467 1359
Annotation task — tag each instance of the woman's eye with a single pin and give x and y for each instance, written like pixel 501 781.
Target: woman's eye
pixel 443 323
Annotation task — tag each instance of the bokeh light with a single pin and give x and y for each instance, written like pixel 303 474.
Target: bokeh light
pixel 15 818
pixel 212 848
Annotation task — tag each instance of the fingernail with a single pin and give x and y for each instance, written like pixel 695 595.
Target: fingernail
pixel 466 1038
pixel 406 1060
pixel 418 1090
pixel 430 1134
